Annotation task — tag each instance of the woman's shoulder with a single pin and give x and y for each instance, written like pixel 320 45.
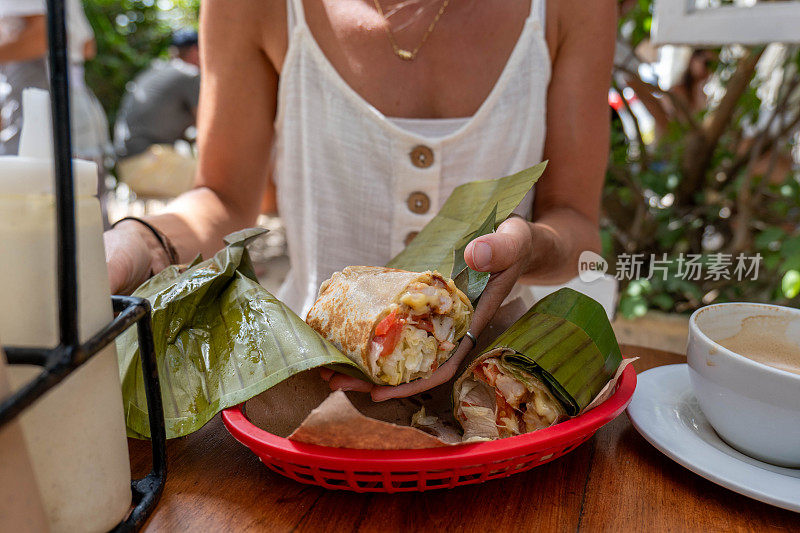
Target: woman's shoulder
pixel 250 14
pixel 263 22
pixel 565 16
pixel 578 20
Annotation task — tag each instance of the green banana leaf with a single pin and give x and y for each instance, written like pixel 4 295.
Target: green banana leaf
pixel 220 339
pixel 466 210
pixel 472 282
pixel 567 342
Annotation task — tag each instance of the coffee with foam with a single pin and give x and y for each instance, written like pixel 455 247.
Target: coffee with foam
pixel 763 339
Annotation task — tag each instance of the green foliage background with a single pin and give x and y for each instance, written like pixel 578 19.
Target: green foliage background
pixel 129 35
pixel 648 208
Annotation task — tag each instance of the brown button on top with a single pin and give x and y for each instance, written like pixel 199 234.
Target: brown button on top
pixel 421 156
pixel 418 202
pixel 410 237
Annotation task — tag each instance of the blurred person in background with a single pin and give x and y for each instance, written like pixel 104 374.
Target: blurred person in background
pixel 160 104
pixel 23 64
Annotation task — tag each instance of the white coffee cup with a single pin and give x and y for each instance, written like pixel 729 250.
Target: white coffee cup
pixel 754 407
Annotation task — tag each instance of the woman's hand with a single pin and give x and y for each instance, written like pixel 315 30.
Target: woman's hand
pixel 507 255
pixel 133 254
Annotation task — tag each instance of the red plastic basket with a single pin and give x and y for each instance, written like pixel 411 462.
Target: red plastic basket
pixel 426 469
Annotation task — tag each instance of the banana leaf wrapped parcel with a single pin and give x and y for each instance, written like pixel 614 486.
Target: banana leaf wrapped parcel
pixel 396 325
pixel 546 367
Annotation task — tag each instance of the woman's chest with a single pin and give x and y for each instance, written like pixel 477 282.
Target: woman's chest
pixel 461 53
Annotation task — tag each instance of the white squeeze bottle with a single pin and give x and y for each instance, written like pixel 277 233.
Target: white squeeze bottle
pixel 75 433
pixel 21 506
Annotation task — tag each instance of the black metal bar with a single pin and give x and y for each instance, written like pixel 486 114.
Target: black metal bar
pixel 152 391
pixel 65 192
pixel 147 491
pixel 29 356
pixel 55 370
pixel 60 361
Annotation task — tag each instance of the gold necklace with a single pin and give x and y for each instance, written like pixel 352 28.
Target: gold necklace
pixel 403 53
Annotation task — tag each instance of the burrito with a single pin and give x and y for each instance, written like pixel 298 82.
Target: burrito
pixel 496 399
pixel 398 326
pixel 545 368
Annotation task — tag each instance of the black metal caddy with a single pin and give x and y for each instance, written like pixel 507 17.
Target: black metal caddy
pixel 57 363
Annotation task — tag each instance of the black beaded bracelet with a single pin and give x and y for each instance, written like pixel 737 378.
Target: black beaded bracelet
pixel 172 254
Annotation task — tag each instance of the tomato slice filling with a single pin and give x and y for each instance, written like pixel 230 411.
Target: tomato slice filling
pixel 386 324
pixel 387 332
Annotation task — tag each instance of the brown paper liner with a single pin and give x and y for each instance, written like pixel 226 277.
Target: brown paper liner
pixel 335 421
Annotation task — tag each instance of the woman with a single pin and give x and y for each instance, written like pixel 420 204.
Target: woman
pixel 376 111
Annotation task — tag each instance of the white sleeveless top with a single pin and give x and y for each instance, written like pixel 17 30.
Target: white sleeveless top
pixel 353 184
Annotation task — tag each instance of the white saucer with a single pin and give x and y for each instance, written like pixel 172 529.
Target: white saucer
pixel 666 413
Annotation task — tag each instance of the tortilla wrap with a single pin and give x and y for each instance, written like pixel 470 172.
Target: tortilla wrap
pixel 363 310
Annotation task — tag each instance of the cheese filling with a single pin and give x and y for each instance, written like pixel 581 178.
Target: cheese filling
pixel 426 323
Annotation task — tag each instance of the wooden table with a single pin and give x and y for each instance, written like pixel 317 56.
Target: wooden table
pixel 616 481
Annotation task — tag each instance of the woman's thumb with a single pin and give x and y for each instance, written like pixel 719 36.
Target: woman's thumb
pixel 498 251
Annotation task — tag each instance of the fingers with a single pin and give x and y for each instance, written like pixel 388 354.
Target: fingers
pixel 337 381
pixel 127 259
pixel 116 277
pixel 117 264
pixel 122 269
pixel 508 259
pixel 498 251
pixel 442 375
pixel 343 382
